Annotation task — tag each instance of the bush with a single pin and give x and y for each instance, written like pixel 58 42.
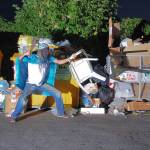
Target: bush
pixel 128 26
pixel 146 29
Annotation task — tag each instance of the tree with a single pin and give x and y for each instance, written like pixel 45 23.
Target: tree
pixel 79 17
pixel 146 29
pixel 128 26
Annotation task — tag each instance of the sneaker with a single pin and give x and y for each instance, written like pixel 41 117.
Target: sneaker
pixel 54 112
pixel 62 116
pixel 11 119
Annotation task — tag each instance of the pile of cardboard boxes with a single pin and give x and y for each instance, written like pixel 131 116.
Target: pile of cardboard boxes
pixel 135 69
pixel 130 64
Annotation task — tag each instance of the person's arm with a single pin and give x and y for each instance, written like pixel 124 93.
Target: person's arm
pixel 64 61
pixel 27 53
pixel 115 50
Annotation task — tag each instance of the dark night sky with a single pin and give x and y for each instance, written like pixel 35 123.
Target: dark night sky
pixel 6 9
pixel 127 8
pixel 134 8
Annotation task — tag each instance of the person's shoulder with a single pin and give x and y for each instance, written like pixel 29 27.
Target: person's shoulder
pixel 52 58
pixel 32 56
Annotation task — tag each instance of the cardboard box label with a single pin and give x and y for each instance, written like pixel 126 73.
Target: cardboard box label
pixel 129 76
pixel 132 76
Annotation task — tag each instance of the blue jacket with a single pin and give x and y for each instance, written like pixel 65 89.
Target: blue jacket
pixel 22 70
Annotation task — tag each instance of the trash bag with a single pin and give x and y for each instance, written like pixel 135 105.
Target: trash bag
pixel 3 85
pixel 101 71
pixel 106 94
pixel 3 91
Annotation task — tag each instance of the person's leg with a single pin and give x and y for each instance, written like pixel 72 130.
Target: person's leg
pixel 22 101
pixel 48 90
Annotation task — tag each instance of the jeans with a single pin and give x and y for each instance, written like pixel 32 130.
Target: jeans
pixel 45 90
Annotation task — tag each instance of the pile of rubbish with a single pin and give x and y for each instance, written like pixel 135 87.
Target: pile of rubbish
pixel 118 87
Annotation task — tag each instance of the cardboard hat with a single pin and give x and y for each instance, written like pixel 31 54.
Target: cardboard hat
pixel 26 42
pixel 46 43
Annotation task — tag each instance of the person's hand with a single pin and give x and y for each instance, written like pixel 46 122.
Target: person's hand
pixel 27 53
pixel 73 56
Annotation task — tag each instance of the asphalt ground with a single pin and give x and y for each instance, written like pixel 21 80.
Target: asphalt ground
pixel 43 131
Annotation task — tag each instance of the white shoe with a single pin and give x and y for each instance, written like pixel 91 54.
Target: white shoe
pixel 62 116
pixel 54 112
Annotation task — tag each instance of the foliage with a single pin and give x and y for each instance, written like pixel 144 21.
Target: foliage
pixel 79 17
pixel 5 25
pixel 128 25
pixel 146 29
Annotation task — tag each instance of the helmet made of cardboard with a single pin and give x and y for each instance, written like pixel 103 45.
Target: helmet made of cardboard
pixel 26 42
pixel 46 43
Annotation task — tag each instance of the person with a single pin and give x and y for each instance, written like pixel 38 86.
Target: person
pixel 35 73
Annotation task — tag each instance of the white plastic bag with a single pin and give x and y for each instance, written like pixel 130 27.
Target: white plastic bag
pixel 123 90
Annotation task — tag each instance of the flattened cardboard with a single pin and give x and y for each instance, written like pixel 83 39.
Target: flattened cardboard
pixel 9 104
pixel 137 106
pixel 137 48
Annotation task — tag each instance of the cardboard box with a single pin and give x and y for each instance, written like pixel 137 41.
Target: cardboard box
pixel 133 60
pixel 10 102
pixel 70 93
pixel 137 59
pixel 141 91
pixel 137 106
pixel 126 42
pixel 96 102
pixel 137 55
pixel 134 55
pixel 135 76
pixel 133 48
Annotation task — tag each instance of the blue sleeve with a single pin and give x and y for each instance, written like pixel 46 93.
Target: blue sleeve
pixel 52 59
pixel 30 59
pixel 25 59
pixel 21 73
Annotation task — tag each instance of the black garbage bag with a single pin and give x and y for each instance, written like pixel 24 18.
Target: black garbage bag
pixel 101 71
pixel 106 94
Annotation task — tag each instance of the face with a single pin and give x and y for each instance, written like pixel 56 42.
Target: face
pixel 44 53
pixel 22 48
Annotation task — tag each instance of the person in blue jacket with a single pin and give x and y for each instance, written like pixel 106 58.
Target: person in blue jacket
pixel 35 73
